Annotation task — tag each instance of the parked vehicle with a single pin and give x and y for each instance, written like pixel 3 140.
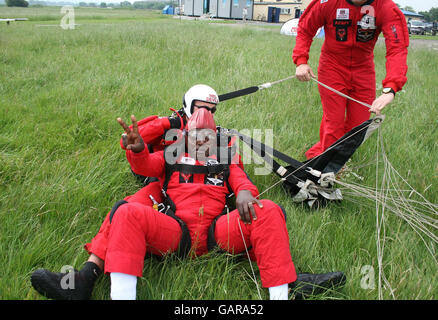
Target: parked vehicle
pixel 431 28
pixel 416 27
pixel 434 28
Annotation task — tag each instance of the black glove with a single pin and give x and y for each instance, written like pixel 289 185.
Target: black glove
pixel 175 119
pixel 175 122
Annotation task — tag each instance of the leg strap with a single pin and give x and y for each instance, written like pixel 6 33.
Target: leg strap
pixel 115 207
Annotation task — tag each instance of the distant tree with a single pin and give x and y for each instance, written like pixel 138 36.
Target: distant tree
pixel 125 4
pixel 92 4
pixel 409 8
pixel 433 14
pixel 17 3
pixel 82 4
pixel 103 5
pixel 426 15
pixel 140 5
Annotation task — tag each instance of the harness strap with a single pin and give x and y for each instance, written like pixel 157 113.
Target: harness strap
pixel 186 242
pixel 115 207
pixel 211 239
pixel 207 169
pixel 216 168
pixel 284 172
pixel 262 149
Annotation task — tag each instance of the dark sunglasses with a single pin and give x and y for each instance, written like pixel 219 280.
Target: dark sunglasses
pixel 212 110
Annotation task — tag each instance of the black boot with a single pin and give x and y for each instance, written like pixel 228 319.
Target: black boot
pixel 65 286
pixel 310 284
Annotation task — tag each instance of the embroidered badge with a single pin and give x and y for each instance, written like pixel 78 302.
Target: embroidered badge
pixel 366 28
pixel 185 177
pixel 343 14
pixel 394 32
pixel 341 29
pixel 215 179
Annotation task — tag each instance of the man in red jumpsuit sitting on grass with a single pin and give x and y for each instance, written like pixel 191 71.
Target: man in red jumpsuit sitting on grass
pixel 199 198
pixel 351 29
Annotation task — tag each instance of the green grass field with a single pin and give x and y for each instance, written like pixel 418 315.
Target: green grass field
pixel 62 169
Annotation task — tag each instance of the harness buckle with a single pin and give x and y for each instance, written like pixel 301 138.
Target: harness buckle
pixel 313 172
pixel 212 166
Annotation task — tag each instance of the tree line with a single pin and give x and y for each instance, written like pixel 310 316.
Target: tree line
pixel 154 5
pixel 17 3
pixel 429 16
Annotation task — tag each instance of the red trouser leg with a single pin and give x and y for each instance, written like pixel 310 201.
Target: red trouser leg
pixel 136 229
pixel 268 237
pixel 364 90
pixel 99 243
pixel 340 115
pixel 333 121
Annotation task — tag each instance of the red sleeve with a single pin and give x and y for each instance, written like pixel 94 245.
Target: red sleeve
pixel 154 130
pixel 238 181
pixel 146 164
pixel 309 22
pixel 397 41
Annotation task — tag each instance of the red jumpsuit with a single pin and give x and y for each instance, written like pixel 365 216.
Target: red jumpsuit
pixel 346 62
pixel 137 229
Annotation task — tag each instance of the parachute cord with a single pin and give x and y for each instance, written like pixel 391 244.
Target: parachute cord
pixel 420 215
pixel 270 84
pixel 379 223
pixel 342 94
pixel 249 260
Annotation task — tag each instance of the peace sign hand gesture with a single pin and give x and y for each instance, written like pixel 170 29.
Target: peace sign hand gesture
pixel 131 139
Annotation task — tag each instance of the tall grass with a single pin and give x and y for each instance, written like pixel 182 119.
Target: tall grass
pixel 61 167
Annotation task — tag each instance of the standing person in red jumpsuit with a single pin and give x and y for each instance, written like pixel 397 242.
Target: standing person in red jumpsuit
pixel 346 63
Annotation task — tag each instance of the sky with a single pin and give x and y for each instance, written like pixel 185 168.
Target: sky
pixel 418 5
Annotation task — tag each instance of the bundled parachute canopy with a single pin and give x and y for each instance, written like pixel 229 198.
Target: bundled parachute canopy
pixel 312 181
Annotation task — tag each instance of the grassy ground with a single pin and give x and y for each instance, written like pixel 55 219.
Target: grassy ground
pixel 61 167
pixel 426 37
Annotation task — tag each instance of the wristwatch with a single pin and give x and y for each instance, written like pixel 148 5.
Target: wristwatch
pixel 388 90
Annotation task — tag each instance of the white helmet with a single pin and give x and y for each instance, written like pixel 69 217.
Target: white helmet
pixel 199 92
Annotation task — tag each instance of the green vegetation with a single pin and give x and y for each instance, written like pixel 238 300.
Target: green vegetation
pixel 17 3
pixel 62 169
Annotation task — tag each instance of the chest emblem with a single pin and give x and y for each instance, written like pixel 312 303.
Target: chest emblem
pixel 366 28
pixel 341 26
